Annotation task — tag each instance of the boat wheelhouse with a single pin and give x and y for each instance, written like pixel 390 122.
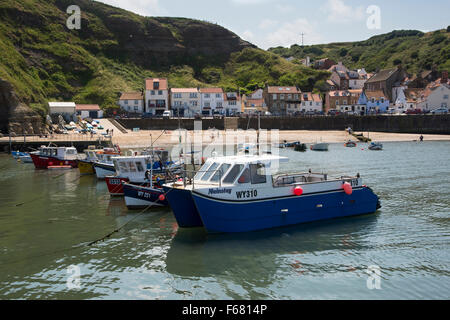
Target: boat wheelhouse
pixel 245 193
pixel 55 156
pixel 139 170
pixel 104 165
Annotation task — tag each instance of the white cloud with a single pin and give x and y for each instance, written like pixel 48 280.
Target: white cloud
pixel 249 2
pixel 289 33
pixel 267 24
pixel 338 11
pixel 142 7
pixel 248 35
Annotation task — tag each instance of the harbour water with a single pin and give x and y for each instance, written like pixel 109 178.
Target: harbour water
pixel 48 218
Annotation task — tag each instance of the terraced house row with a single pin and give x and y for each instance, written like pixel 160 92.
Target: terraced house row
pixel 185 102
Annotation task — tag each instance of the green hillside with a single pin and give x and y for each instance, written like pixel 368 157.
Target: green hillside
pixel 415 50
pixel 116 49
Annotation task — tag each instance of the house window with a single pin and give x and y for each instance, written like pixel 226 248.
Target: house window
pixel 382 100
pixel 136 101
pixel 153 92
pixel 160 93
pixel 373 100
pixel 126 101
pixel 290 96
pixel 136 108
pixel 207 95
pixel 177 95
pixel 281 96
pixel 192 95
pixel 445 96
pixel 219 104
pixel 194 103
pixel 207 104
pixel 296 96
pixel 275 96
pixel 155 85
pixel 218 95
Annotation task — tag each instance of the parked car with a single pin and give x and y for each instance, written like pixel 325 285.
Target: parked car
pixel 441 110
pixel 333 112
pixel 217 115
pixel 413 111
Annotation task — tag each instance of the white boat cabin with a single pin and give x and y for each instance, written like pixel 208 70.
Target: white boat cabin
pixel 62 153
pixel 257 177
pixel 134 167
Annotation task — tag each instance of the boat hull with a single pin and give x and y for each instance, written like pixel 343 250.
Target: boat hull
pixel 45 162
pixel 115 185
pixel 240 216
pixel 183 207
pixel 138 197
pixel 103 170
pixel 85 167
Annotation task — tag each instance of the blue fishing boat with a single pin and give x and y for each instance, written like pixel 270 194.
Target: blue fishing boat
pixel 18 154
pixel 245 193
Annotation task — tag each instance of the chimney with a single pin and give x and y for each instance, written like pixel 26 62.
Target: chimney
pixel 444 78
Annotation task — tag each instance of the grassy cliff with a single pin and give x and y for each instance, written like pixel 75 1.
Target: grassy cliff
pixel 116 49
pixel 415 50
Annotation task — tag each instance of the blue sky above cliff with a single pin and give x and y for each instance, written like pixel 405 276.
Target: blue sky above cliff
pixel 269 23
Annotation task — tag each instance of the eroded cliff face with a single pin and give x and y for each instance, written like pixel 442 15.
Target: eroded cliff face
pixel 16 117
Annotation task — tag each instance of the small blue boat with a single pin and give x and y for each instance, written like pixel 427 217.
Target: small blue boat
pixel 244 193
pixel 18 154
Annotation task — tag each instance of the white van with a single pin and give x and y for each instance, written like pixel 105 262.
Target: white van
pixel 167 114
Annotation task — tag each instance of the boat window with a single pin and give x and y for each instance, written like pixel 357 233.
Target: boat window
pixel 258 173
pixel 233 173
pixel 123 167
pixel 220 172
pixel 132 166
pixel 210 171
pixel 202 171
pixel 70 151
pixel 245 176
pixel 139 166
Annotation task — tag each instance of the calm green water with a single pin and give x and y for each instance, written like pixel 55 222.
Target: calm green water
pixel 408 238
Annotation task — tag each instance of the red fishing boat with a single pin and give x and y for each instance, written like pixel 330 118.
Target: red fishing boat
pixel 55 156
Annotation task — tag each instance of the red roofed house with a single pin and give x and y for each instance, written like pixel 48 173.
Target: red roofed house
pixel 156 95
pixel 311 102
pixel 132 102
pixel 212 99
pixel 89 111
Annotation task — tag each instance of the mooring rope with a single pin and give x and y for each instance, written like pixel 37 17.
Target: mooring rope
pixel 83 244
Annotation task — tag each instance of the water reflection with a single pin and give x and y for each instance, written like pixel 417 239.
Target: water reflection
pixel 194 253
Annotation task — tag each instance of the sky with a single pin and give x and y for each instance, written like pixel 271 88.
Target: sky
pixel 272 23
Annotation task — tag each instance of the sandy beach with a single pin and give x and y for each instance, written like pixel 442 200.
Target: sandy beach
pixel 144 138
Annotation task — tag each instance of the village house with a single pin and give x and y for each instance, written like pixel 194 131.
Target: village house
pixel 375 101
pixel 65 109
pixel 324 64
pixel 92 111
pixel 385 80
pixel 281 99
pixel 344 79
pixel 211 100
pixel 132 102
pixel 407 99
pixel 156 95
pixel 185 102
pixel 232 101
pixel 343 100
pixel 311 102
pixel 435 95
pixel 254 102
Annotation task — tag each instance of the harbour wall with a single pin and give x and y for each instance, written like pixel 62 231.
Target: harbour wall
pixel 417 124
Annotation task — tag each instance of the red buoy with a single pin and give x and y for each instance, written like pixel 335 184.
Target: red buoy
pixel 298 191
pixel 162 197
pixel 347 188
